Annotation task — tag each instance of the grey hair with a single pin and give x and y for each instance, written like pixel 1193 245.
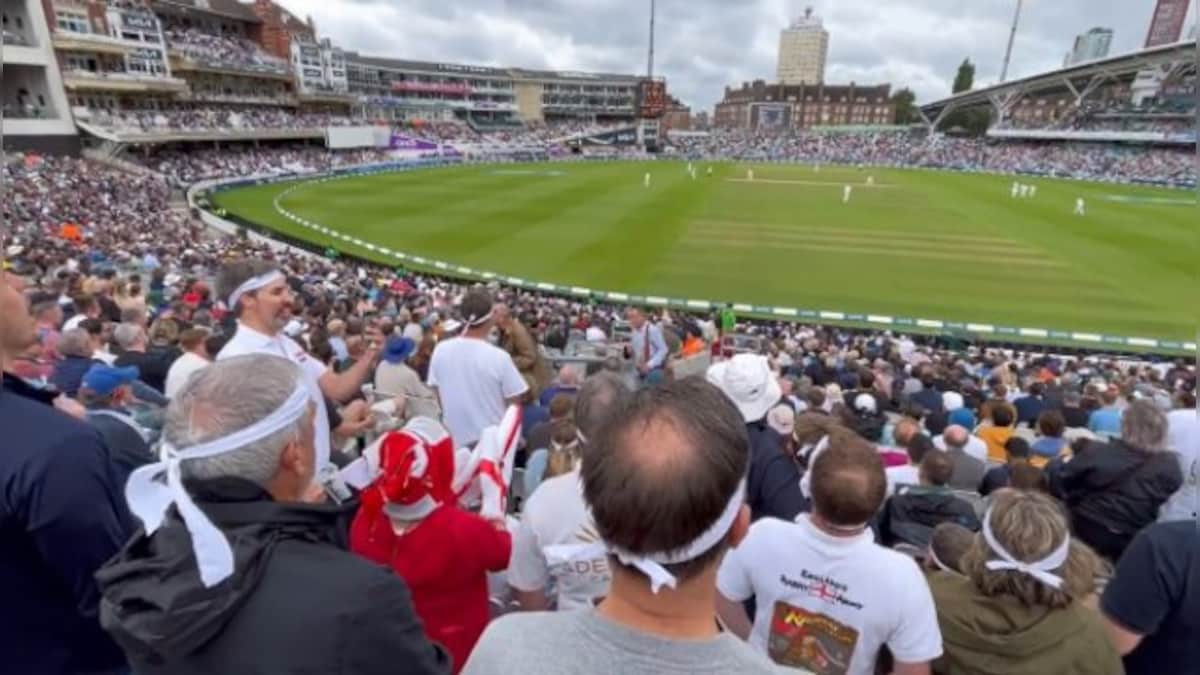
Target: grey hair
pixel 75 342
pixel 126 334
pixel 223 398
pixel 600 395
pixel 1144 426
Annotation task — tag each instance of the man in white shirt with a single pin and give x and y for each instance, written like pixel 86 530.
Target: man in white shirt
pixel 970 444
pixel 1183 438
pixel 827 596
pixel 474 380
pixel 556 527
pixel 195 357
pixel 648 346
pixel 257 293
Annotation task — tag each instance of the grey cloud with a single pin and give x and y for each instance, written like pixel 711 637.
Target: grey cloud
pixel 704 45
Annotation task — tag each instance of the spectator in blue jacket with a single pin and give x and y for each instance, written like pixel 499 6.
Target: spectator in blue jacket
pixel 61 517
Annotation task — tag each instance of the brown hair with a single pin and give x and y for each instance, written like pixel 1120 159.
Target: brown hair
pixel 663 468
pixel 1024 476
pixel 563 451
pixel 1051 423
pixel 237 272
pixel 1030 525
pixel 561 406
pixel 937 468
pixel 848 482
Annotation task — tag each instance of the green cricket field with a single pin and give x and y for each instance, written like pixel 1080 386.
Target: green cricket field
pixel 907 243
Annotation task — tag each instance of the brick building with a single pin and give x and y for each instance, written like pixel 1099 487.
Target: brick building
pixel 759 105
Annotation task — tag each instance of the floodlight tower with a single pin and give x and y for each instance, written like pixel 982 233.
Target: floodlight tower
pixel 650 56
pixel 1012 36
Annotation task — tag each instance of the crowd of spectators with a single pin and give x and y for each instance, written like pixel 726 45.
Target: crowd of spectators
pixel 224 51
pixel 1074 160
pixel 185 166
pixel 232 119
pixel 886 501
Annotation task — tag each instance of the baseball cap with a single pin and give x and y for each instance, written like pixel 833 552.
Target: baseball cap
pixel 104 379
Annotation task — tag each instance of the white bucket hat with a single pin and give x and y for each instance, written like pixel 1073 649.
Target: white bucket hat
pixel 748 381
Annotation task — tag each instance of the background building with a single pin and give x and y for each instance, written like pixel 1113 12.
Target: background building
pixel 35 107
pixel 803 49
pixel 758 105
pixel 1166 26
pixel 1090 46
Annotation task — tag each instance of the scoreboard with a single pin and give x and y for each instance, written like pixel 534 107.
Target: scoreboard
pixel 652 99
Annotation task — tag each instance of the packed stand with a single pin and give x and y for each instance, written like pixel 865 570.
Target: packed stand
pixel 213 119
pixel 1073 160
pixel 184 167
pixel 224 51
pixel 274 441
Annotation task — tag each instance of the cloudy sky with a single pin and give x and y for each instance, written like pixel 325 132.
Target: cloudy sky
pixel 703 45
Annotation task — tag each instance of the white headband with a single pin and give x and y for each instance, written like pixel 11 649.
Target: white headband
pixel 149 497
pixel 652 564
pixel 1042 570
pixel 472 323
pixel 253 284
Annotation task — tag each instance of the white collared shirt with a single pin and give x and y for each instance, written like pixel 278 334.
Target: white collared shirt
pixel 249 341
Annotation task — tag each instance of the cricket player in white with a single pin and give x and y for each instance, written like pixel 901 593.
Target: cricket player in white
pixel 1016 189
pixel 846 194
pixel 870 180
pixel 1032 191
pixel 1080 207
pixel 710 171
pixel 749 174
pixel 646 180
pixel 1024 190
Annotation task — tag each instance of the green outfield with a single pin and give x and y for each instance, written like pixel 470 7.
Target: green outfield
pixel 946 246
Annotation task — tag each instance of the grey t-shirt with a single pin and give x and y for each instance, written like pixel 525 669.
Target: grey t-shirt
pixel 582 641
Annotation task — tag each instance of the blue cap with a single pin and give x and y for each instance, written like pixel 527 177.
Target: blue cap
pixel 398 349
pixel 104 380
pixel 962 417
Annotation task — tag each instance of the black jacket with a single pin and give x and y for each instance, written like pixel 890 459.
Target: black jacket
pixel 773 486
pixel 298 602
pixel 61 516
pixel 909 517
pixel 1119 488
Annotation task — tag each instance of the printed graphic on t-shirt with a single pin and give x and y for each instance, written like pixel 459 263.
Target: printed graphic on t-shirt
pixel 580 569
pixel 803 639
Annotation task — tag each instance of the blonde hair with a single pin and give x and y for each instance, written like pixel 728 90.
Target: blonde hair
pixel 1029 525
pixel 564 450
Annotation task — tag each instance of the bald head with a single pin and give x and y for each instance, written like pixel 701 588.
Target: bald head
pixel 956 437
pixel 662 468
pixel 568 376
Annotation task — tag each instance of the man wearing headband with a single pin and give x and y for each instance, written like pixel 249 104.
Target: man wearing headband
pixel 475 380
pixel 239 567
pixel 665 480
pixel 828 597
pixel 257 293
pixel 62 516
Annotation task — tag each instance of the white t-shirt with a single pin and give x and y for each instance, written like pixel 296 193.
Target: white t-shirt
pixel 249 341
pixel 1183 438
pixel 901 475
pixel 474 379
pixel 181 370
pixel 555 541
pixel 827 604
pixel 975 447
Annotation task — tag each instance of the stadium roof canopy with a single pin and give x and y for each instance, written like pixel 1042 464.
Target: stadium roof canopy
pixel 1080 79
